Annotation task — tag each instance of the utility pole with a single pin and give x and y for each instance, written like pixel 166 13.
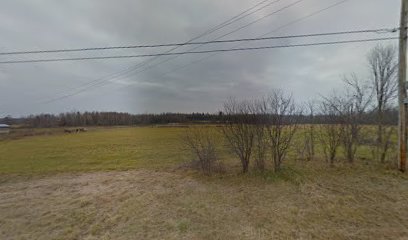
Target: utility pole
pixel 402 88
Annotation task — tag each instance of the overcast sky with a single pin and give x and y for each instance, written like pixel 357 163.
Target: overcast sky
pixel 201 86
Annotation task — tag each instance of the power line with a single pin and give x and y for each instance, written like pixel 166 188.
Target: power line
pixel 190 52
pixel 381 30
pixel 260 48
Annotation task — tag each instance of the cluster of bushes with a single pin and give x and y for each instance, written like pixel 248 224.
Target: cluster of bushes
pixel 263 130
pixel 260 129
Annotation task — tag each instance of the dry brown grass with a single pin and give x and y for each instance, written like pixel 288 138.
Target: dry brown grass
pixel 306 201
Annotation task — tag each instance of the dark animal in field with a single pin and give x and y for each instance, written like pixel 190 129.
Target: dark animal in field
pixel 75 130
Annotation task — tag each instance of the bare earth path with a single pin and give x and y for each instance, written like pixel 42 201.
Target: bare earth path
pixel 146 204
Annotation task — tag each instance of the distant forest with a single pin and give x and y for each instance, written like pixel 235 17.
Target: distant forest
pixel 72 119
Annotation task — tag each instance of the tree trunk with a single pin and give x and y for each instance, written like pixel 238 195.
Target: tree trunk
pixel 245 166
pixel 380 138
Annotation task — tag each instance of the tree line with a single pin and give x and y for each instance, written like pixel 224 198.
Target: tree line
pixel 76 119
pixel 71 119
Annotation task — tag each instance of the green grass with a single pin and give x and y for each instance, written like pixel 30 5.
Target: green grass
pixel 100 149
pixel 118 148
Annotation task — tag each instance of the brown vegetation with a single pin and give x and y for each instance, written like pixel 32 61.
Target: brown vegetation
pixel 307 202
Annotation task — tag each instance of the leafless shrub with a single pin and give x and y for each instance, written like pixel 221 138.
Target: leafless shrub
pixel 381 150
pixel 306 147
pixel 300 148
pixel 239 129
pixel 201 142
pixel 329 133
pixel 261 140
pixel 305 144
pixel 282 123
pixel 350 108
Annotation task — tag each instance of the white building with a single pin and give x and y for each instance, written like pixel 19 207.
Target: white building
pixel 4 129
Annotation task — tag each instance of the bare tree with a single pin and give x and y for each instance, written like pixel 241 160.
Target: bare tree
pixel 382 61
pixel 358 98
pixel 306 146
pixel 282 123
pixel 202 141
pixel 261 140
pixel 239 129
pixel 351 106
pixel 329 132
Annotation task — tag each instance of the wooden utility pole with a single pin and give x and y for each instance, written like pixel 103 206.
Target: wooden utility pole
pixel 402 88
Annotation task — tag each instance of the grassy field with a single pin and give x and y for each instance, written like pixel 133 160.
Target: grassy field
pixel 130 183
pixel 97 149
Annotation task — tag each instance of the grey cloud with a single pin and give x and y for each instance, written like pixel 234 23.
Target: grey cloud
pixel 306 72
